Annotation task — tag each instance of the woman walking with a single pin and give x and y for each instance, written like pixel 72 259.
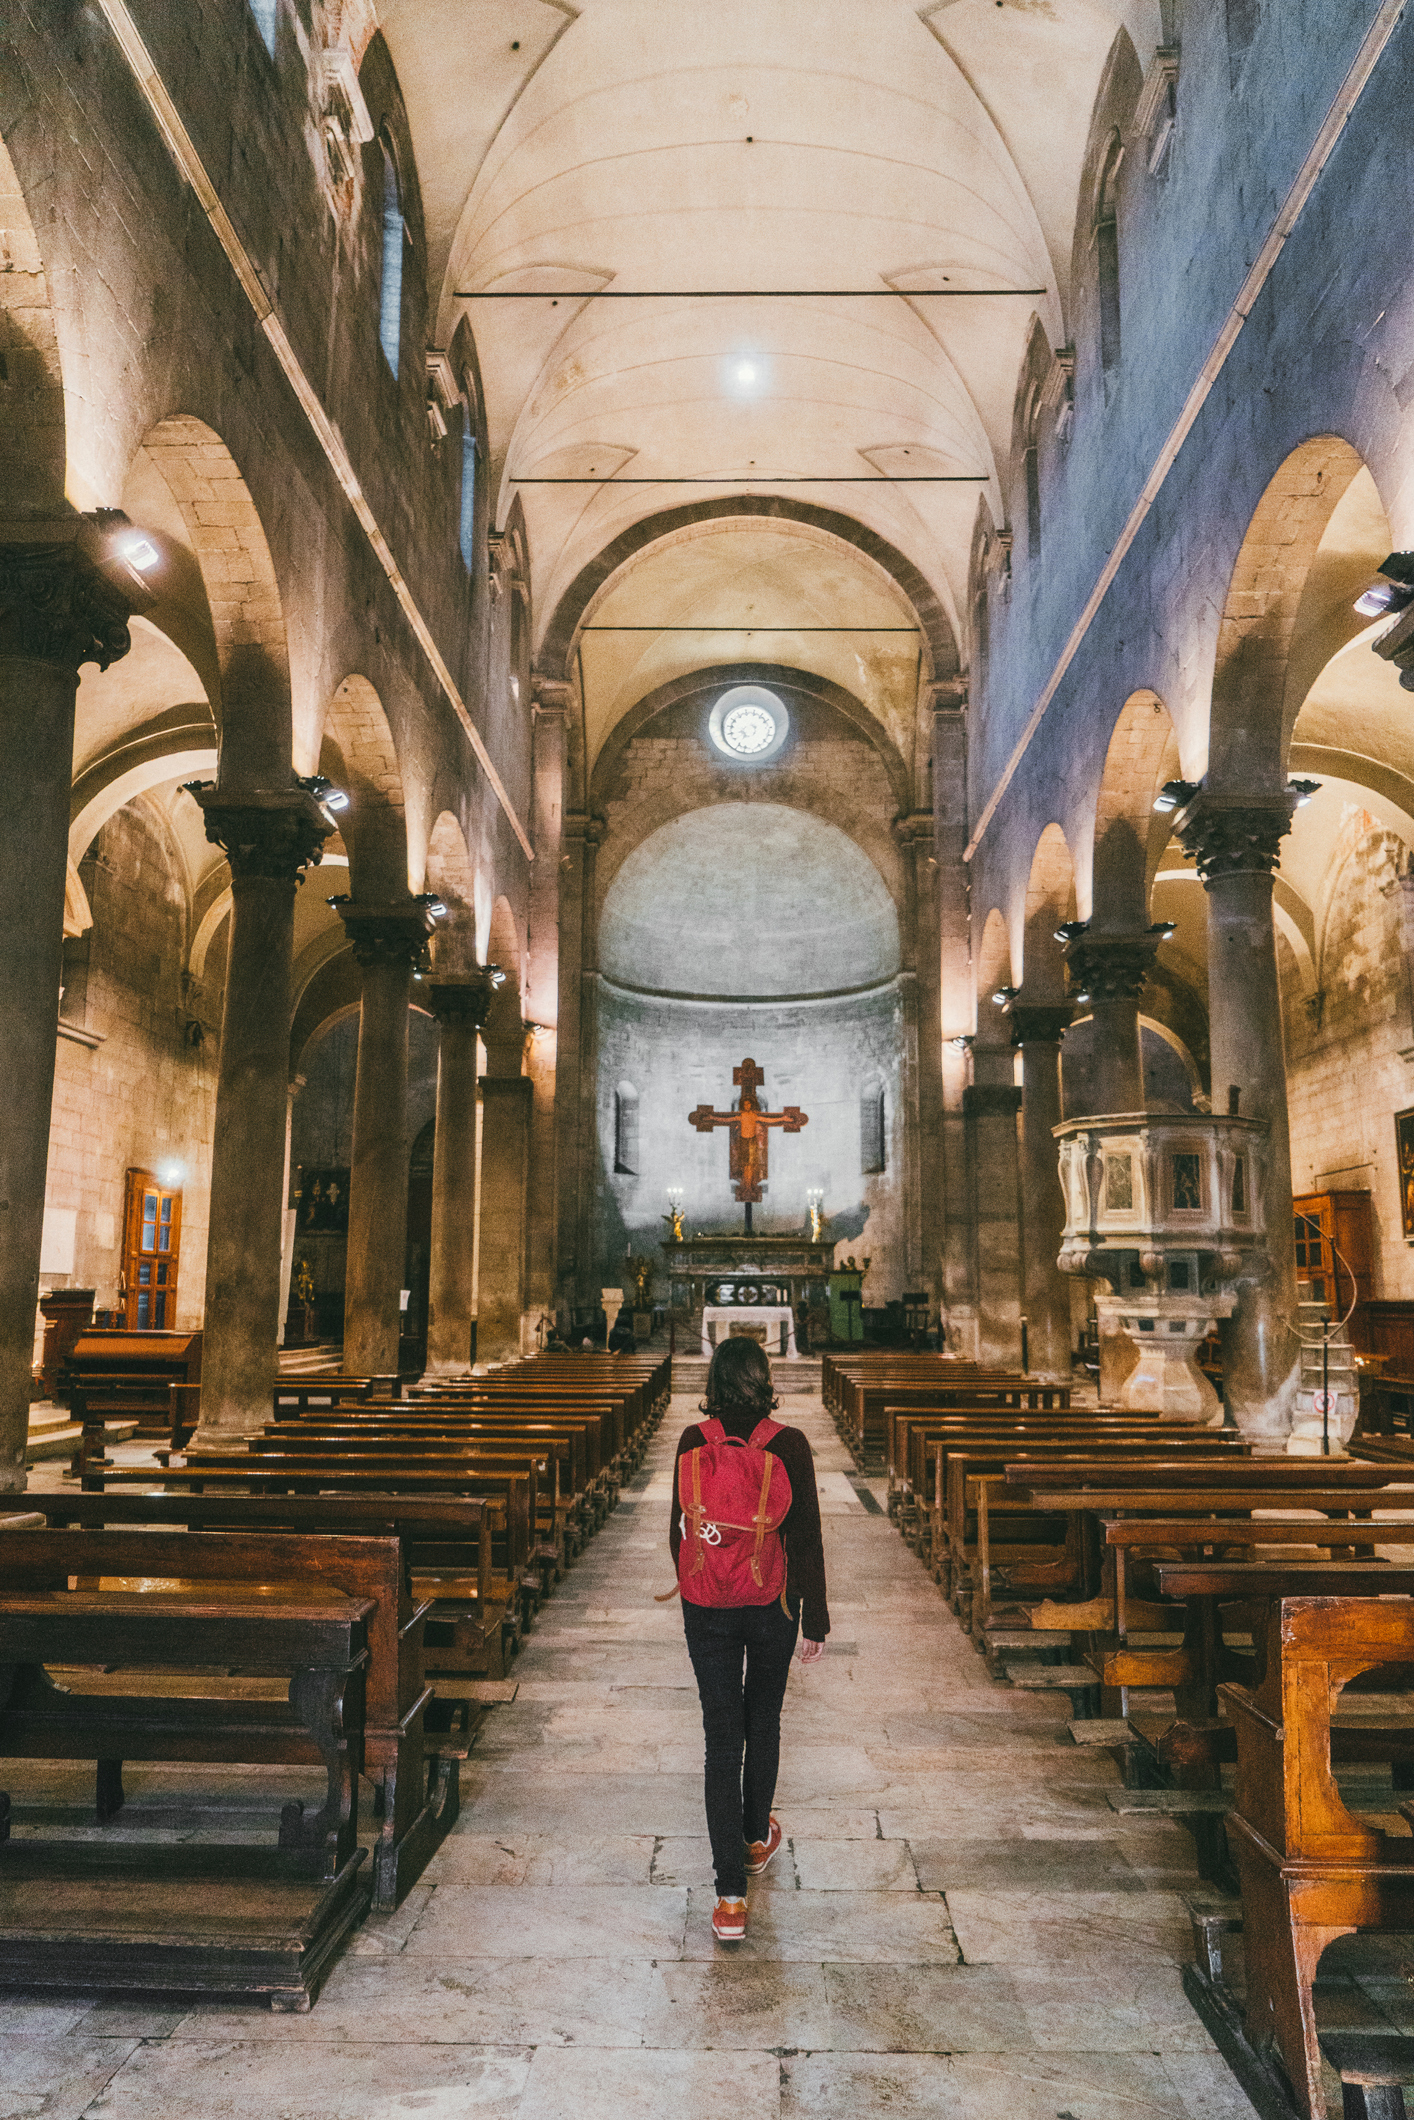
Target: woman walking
pixel 745 1538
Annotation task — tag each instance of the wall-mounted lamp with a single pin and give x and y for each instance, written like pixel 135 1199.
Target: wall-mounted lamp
pixel 1070 929
pixel 171 1173
pixel 1303 790
pixel 1004 994
pixel 1175 795
pixel 1080 1000
pixel 1393 591
pixel 436 906
pixel 1162 928
pixel 962 1044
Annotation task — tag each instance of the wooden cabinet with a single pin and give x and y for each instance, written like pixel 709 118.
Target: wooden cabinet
pixel 1335 1255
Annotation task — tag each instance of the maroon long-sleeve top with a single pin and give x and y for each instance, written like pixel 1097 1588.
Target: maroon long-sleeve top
pixel 805 1550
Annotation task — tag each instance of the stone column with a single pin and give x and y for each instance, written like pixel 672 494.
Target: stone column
pixel 990 1106
pixel 1237 845
pixel 58 609
pixel 460 1007
pixel 506 1100
pixel 542 989
pixel 388 941
pixel 269 837
pixel 1036 1032
pixel 577 1061
pixel 946 1173
pixel 1107 973
pixel 924 1049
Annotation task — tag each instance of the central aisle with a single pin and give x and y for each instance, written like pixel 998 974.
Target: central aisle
pixel 957 1925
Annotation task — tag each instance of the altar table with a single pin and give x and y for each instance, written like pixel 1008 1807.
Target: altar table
pixel 772 1315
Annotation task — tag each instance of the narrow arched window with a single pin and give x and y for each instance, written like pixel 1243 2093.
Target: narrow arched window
pixel 1031 464
pixel 625 1131
pixel 1107 258
pixel 390 292
pixel 871 1126
pixel 981 637
pixel 467 522
pixel 266 13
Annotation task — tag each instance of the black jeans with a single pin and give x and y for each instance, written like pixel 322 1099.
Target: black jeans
pixel 741 1722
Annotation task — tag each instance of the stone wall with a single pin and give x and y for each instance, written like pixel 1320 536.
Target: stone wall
pixel 144 1097
pixel 1345 1076
pixel 817 1054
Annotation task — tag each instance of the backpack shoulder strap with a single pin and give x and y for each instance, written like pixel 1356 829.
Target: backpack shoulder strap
pixel 711 1430
pixel 762 1433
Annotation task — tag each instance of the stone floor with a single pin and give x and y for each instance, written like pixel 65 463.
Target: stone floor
pixel 958 1923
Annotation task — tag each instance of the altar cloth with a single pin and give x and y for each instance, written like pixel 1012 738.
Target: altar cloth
pixel 768 1314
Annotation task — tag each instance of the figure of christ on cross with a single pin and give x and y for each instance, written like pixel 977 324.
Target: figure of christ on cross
pixel 750 1135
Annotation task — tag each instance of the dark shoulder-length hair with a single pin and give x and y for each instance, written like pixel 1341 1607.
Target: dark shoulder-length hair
pixel 739 1381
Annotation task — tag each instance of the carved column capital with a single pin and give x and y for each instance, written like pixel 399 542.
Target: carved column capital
pixel 1234 838
pixel 552 698
pixel 462 1004
pixel 1037 1023
pixel 392 934
pixel 1111 967
pixel 582 828
pixel 66 594
pixel 913 828
pixel 273 832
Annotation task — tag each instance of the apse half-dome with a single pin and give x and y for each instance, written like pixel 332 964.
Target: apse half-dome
pixel 748 900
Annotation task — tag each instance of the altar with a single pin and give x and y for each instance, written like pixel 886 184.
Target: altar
pixel 776 1318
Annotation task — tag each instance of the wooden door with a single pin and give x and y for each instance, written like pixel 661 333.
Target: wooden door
pixel 152 1236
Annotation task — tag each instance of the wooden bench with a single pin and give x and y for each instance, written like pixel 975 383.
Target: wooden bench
pixel 1310 1870
pixel 457 1637
pixel 414 1770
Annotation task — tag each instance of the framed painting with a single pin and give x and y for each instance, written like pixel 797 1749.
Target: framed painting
pixel 1404 1156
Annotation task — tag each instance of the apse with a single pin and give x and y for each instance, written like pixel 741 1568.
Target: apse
pixel 751 929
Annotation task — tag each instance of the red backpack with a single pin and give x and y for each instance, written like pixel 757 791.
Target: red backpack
pixel 734 1499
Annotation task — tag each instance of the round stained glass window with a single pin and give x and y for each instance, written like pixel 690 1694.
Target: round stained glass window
pixel 748 724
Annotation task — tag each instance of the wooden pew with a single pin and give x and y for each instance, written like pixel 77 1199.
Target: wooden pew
pixel 1310 1870
pixel 416 1778
pixel 510 1544
pixel 316 1634
pixel 447 1552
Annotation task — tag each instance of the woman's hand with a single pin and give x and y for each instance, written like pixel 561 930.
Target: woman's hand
pixel 810 1652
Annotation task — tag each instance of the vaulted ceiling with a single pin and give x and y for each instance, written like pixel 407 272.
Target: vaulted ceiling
pixel 636 146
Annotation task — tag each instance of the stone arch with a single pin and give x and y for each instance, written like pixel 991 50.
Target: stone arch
pixel 358 754
pixel 777 677
pixel 556 648
pixel 1130 835
pixel 248 655
pixel 33 433
pixel 451 875
pixel 993 975
pixel 504 1025
pixel 1050 899
pixel 1251 718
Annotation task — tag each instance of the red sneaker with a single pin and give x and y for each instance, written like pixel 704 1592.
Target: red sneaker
pixel 759 1852
pixel 729 1920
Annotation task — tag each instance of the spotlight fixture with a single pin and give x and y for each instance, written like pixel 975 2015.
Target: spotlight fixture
pixel 139 551
pixel 1004 994
pixel 1162 928
pixel 324 792
pixel 962 1044
pixel 1080 999
pixel 1393 591
pixel 1069 930
pixel 1303 790
pixel 436 906
pixel 1175 795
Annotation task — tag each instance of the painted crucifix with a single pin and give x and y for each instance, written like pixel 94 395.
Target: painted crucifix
pixel 750 1133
